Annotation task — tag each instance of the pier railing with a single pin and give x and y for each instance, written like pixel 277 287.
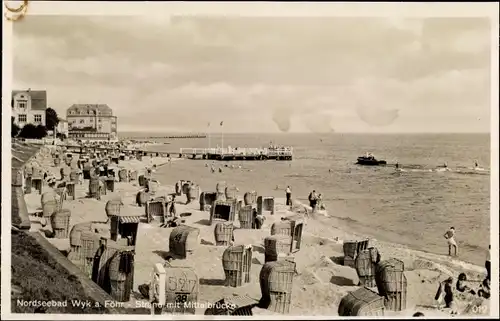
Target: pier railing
pixel 245 151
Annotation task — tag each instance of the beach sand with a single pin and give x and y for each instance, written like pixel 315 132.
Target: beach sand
pixel 321 282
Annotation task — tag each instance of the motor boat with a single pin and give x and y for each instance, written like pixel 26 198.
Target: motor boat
pixel 370 160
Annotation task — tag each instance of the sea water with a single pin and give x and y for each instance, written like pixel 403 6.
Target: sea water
pixel 413 206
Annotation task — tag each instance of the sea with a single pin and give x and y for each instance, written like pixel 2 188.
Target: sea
pixel 413 206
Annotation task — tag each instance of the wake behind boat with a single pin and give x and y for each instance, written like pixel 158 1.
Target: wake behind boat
pixel 370 160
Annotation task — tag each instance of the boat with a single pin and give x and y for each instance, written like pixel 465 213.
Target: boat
pixel 370 160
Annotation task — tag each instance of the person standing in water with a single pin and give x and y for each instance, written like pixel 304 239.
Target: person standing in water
pixel 452 243
pixel 288 193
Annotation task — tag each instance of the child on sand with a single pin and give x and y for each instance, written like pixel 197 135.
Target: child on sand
pixel 462 284
pixel 452 244
pixel 484 292
pixel 320 204
pixel 258 220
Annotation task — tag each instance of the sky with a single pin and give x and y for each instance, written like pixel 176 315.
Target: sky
pixel 263 74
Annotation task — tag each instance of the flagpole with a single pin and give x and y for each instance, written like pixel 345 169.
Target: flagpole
pixel 222 132
pixel 209 143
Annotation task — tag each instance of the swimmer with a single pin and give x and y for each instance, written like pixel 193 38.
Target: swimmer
pixel 397 165
pixel 220 169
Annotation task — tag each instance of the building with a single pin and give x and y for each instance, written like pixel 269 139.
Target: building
pixel 91 122
pixel 62 127
pixel 28 107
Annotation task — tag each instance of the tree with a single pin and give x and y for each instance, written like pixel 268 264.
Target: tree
pixel 33 132
pixel 51 119
pixel 14 129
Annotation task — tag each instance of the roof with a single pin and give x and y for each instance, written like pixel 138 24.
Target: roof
pixel 62 120
pixel 130 219
pixel 38 98
pixel 100 108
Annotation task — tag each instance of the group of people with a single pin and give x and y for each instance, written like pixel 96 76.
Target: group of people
pixel 213 169
pixel 446 289
pixel 445 165
pixel 172 219
pixel 447 292
pixel 316 201
pixel 453 250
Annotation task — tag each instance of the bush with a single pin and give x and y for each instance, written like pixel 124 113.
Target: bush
pixel 33 132
pixel 61 136
pixel 14 131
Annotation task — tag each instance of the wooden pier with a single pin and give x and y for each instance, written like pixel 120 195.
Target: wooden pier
pixel 221 154
pixel 238 154
pixel 187 136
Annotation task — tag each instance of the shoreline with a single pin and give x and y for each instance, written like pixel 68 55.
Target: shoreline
pixel 320 241
pixel 380 239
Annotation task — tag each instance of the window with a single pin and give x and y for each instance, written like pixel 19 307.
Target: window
pixel 21 104
pixel 38 118
pixel 22 118
pixel 100 120
pixel 82 121
pixel 91 120
pixel 100 127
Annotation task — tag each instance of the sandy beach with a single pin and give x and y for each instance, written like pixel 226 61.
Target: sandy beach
pixel 321 281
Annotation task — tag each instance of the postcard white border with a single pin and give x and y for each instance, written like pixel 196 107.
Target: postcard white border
pixel 243 9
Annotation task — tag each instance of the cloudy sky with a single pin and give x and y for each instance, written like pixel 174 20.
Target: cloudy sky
pixel 261 74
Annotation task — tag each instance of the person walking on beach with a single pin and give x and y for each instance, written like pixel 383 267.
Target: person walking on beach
pixel 452 243
pixel 173 210
pixel 487 264
pixel 288 193
pixel 313 200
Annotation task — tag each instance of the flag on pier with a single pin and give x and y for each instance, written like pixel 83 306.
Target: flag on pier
pixel 222 123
